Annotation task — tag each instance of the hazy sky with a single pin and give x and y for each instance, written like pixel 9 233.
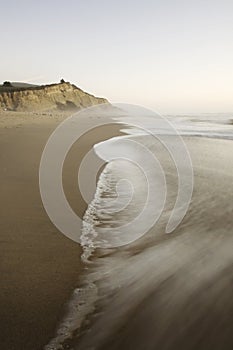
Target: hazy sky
pixel 174 56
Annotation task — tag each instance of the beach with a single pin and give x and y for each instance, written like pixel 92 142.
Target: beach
pixel 39 266
pixel 163 291
pixel 169 291
pixel 116 175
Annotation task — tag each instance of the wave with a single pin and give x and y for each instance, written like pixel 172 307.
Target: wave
pixel 171 291
pixel 82 302
pixel 162 290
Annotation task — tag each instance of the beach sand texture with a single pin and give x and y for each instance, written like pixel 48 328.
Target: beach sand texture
pixel 39 266
pixel 163 291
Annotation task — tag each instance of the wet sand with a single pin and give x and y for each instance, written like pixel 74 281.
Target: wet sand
pixel 169 291
pixel 39 266
pixel 183 303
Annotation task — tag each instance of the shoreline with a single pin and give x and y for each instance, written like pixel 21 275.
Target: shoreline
pixel 193 261
pixel 40 267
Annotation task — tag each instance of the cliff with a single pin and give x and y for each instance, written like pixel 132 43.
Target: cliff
pixel 62 96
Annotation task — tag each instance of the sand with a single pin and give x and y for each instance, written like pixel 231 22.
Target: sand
pixel 169 291
pixel 39 266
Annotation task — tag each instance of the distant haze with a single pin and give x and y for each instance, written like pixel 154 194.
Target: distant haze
pixel 174 56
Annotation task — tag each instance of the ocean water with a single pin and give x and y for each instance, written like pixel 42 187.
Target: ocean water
pixel 144 288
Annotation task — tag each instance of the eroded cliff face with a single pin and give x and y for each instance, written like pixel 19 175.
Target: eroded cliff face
pixel 63 96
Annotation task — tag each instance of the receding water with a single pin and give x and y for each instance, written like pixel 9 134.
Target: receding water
pixel 159 291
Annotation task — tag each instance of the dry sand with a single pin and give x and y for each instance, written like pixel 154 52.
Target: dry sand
pixel 39 266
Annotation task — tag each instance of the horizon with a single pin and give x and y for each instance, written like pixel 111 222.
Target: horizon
pixel 172 57
pixel 188 113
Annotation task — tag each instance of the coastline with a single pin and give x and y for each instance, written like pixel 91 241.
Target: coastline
pixel 188 254
pixel 40 267
pixel 170 271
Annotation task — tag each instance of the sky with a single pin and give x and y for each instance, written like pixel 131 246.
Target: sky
pixel 174 56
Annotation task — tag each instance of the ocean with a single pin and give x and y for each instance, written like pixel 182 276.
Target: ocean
pixel 157 240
